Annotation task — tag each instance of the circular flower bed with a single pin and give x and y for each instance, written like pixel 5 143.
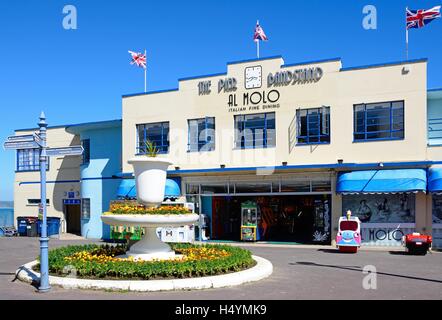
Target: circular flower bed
pixel 135 208
pixel 93 261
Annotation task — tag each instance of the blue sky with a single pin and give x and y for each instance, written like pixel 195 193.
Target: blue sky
pixel 79 75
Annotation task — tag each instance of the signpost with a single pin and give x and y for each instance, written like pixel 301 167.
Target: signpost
pixel 38 141
pixel 26 138
pixel 68 151
pixel 15 145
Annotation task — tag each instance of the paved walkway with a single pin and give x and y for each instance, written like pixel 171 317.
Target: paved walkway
pixel 299 273
pixel 301 246
pixel 70 237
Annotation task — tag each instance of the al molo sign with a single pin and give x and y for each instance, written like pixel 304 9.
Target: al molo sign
pixel 286 78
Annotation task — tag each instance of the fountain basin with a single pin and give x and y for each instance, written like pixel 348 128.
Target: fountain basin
pixel 150 247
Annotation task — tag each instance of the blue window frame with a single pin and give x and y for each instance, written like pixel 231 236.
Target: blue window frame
pixel 201 134
pixel 157 133
pixel 313 126
pixel 379 121
pixel 434 131
pixel 28 160
pixel 255 131
pixel 86 158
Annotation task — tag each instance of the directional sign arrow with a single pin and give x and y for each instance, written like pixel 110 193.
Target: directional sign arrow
pixel 37 139
pixel 15 145
pixel 67 151
pixel 26 138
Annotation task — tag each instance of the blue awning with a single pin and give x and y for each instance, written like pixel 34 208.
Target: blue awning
pixel 435 179
pixel 127 189
pixel 382 181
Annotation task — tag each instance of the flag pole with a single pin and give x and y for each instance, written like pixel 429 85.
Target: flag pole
pixel 145 72
pixel 406 34
pixel 407 43
pixel 257 40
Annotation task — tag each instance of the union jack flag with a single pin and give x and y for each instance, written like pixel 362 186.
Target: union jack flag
pixel 259 33
pixel 139 59
pixel 419 18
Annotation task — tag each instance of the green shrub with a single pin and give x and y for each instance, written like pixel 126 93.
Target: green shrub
pixel 237 259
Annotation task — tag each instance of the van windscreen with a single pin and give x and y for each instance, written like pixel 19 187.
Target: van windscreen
pixel 349 225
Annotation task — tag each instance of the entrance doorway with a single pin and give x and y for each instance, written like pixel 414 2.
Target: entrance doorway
pixel 283 218
pixel 72 213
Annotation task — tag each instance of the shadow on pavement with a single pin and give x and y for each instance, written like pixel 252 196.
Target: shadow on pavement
pixel 398 253
pixel 359 269
pixel 333 251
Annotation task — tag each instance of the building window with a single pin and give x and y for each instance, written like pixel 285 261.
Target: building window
pixel 28 160
pixel 157 133
pixel 201 135
pixel 313 125
pixel 379 121
pixel 435 130
pixel 86 143
pixel 255 131
pixel 36 202
pixel 282 186
pixel 85 208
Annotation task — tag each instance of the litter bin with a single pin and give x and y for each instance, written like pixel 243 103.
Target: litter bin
pixel 22 223
pixel 32 228
pixel 53 226
pixel 27 226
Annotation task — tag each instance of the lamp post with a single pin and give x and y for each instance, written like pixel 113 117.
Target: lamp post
pixel 44 240
pixel 38 141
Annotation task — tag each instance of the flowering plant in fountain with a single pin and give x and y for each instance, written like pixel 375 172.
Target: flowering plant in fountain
pixel 135 208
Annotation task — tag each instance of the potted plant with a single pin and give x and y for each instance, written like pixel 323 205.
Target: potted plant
pixel 150 176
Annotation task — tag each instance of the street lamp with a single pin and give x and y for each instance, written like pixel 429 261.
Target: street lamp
pixel 44 240
pixel 38 141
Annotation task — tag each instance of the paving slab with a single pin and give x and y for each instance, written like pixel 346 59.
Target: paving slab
pixel 298 273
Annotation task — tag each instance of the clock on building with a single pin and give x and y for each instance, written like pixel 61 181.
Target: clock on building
pixel 253 77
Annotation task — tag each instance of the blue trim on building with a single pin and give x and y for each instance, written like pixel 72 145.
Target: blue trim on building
pixel 49 182
pixel 101 178
pixel 124 175
pixel 255 60
pixel 310 62
pixel 343 166
pixel 72 181
pixel 149 93
pixel 73 125
pixel 387 64
pixel 204 76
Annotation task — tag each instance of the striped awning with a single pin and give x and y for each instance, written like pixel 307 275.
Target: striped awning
pixel 435 180
pixel 128 190
pixel 382 181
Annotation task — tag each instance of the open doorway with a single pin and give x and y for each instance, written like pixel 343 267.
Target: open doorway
pixel 300 219
pixel 72 212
